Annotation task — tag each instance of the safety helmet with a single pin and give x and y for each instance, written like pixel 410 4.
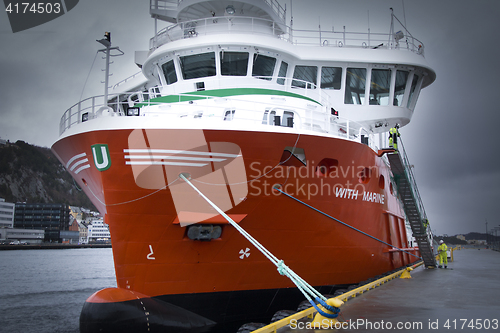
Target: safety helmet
pixel 397 125
pixel 441 241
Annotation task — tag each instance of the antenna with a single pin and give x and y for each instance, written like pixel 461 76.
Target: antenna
pixel 291 21
pixel 404 12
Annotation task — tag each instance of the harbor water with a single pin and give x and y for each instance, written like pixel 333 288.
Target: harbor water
pixel 44 290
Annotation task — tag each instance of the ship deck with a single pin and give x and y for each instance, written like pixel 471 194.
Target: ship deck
pixel 464 297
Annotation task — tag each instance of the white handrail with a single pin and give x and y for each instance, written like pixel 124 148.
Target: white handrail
pixel 252 25
pixel 172 5
pixel 317 120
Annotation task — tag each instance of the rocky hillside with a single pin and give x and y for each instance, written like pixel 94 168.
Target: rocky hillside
pixel 33 174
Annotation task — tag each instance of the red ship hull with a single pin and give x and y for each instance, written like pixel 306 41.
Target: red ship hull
pixel 155 258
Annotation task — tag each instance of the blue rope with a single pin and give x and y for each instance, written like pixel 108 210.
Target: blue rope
pixel 347 225
pixel 335 310
pixel 305 288
pixel 327 306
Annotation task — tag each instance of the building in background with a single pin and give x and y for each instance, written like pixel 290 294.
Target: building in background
pixel 11 235
pixel 6 214
pixel 84 232
pixel 76 212
pixel 98 232
pixel 52 218
pixel 21 236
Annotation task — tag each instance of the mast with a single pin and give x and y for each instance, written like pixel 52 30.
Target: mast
pixel 107 43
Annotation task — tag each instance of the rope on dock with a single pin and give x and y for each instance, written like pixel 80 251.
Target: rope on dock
pixel 311 294
pixel 343 223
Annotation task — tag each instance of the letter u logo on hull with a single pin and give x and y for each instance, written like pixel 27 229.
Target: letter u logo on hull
pixel 102 160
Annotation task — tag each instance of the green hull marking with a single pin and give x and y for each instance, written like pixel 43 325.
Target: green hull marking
pixel 204 94
pixel 102 159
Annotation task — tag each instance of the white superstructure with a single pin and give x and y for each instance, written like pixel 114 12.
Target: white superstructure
pixel 328 83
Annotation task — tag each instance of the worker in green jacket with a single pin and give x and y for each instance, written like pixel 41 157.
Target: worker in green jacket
pixel 443 254
pixel 393 137
pixel 426 224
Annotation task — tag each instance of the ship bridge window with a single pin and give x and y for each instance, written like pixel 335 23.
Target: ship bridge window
pixel 412 90
pixel 234 63
pixel 399 90
pixel 198 65
pixel 263 66
pixel 355 86
pixel 331 77
pixel 305 77
pixel 379 87
pixel 169 72
pixel 282 73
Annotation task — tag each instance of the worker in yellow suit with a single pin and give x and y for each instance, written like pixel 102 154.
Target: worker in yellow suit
pixel 393 137
pixel 443 254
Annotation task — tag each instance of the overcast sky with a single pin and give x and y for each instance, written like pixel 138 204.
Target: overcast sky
pixel 451 140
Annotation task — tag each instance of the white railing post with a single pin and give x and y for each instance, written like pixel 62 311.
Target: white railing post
pixel 79 113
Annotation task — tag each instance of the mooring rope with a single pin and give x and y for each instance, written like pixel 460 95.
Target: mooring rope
pixel 309 292
pixel 343 223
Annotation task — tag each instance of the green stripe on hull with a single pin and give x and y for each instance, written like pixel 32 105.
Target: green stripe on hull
pixel 204 94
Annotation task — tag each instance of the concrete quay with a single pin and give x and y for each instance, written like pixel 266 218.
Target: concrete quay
pixel 465 297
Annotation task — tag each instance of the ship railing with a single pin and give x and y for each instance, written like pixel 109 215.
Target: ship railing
pixel 130 78
pixel 364 40
pixel 314 117
pixel 172 5
pixel 164 4
pixel 411 179
pixel 277 8
pixel 250 25
pixel 90 108
pixel 215 26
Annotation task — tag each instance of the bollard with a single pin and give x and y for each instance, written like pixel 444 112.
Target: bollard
pixel 321 321
pixel 406 274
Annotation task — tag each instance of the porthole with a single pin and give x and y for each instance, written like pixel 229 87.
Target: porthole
pixel 365 175
pixel 381 182
pixel 325 167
